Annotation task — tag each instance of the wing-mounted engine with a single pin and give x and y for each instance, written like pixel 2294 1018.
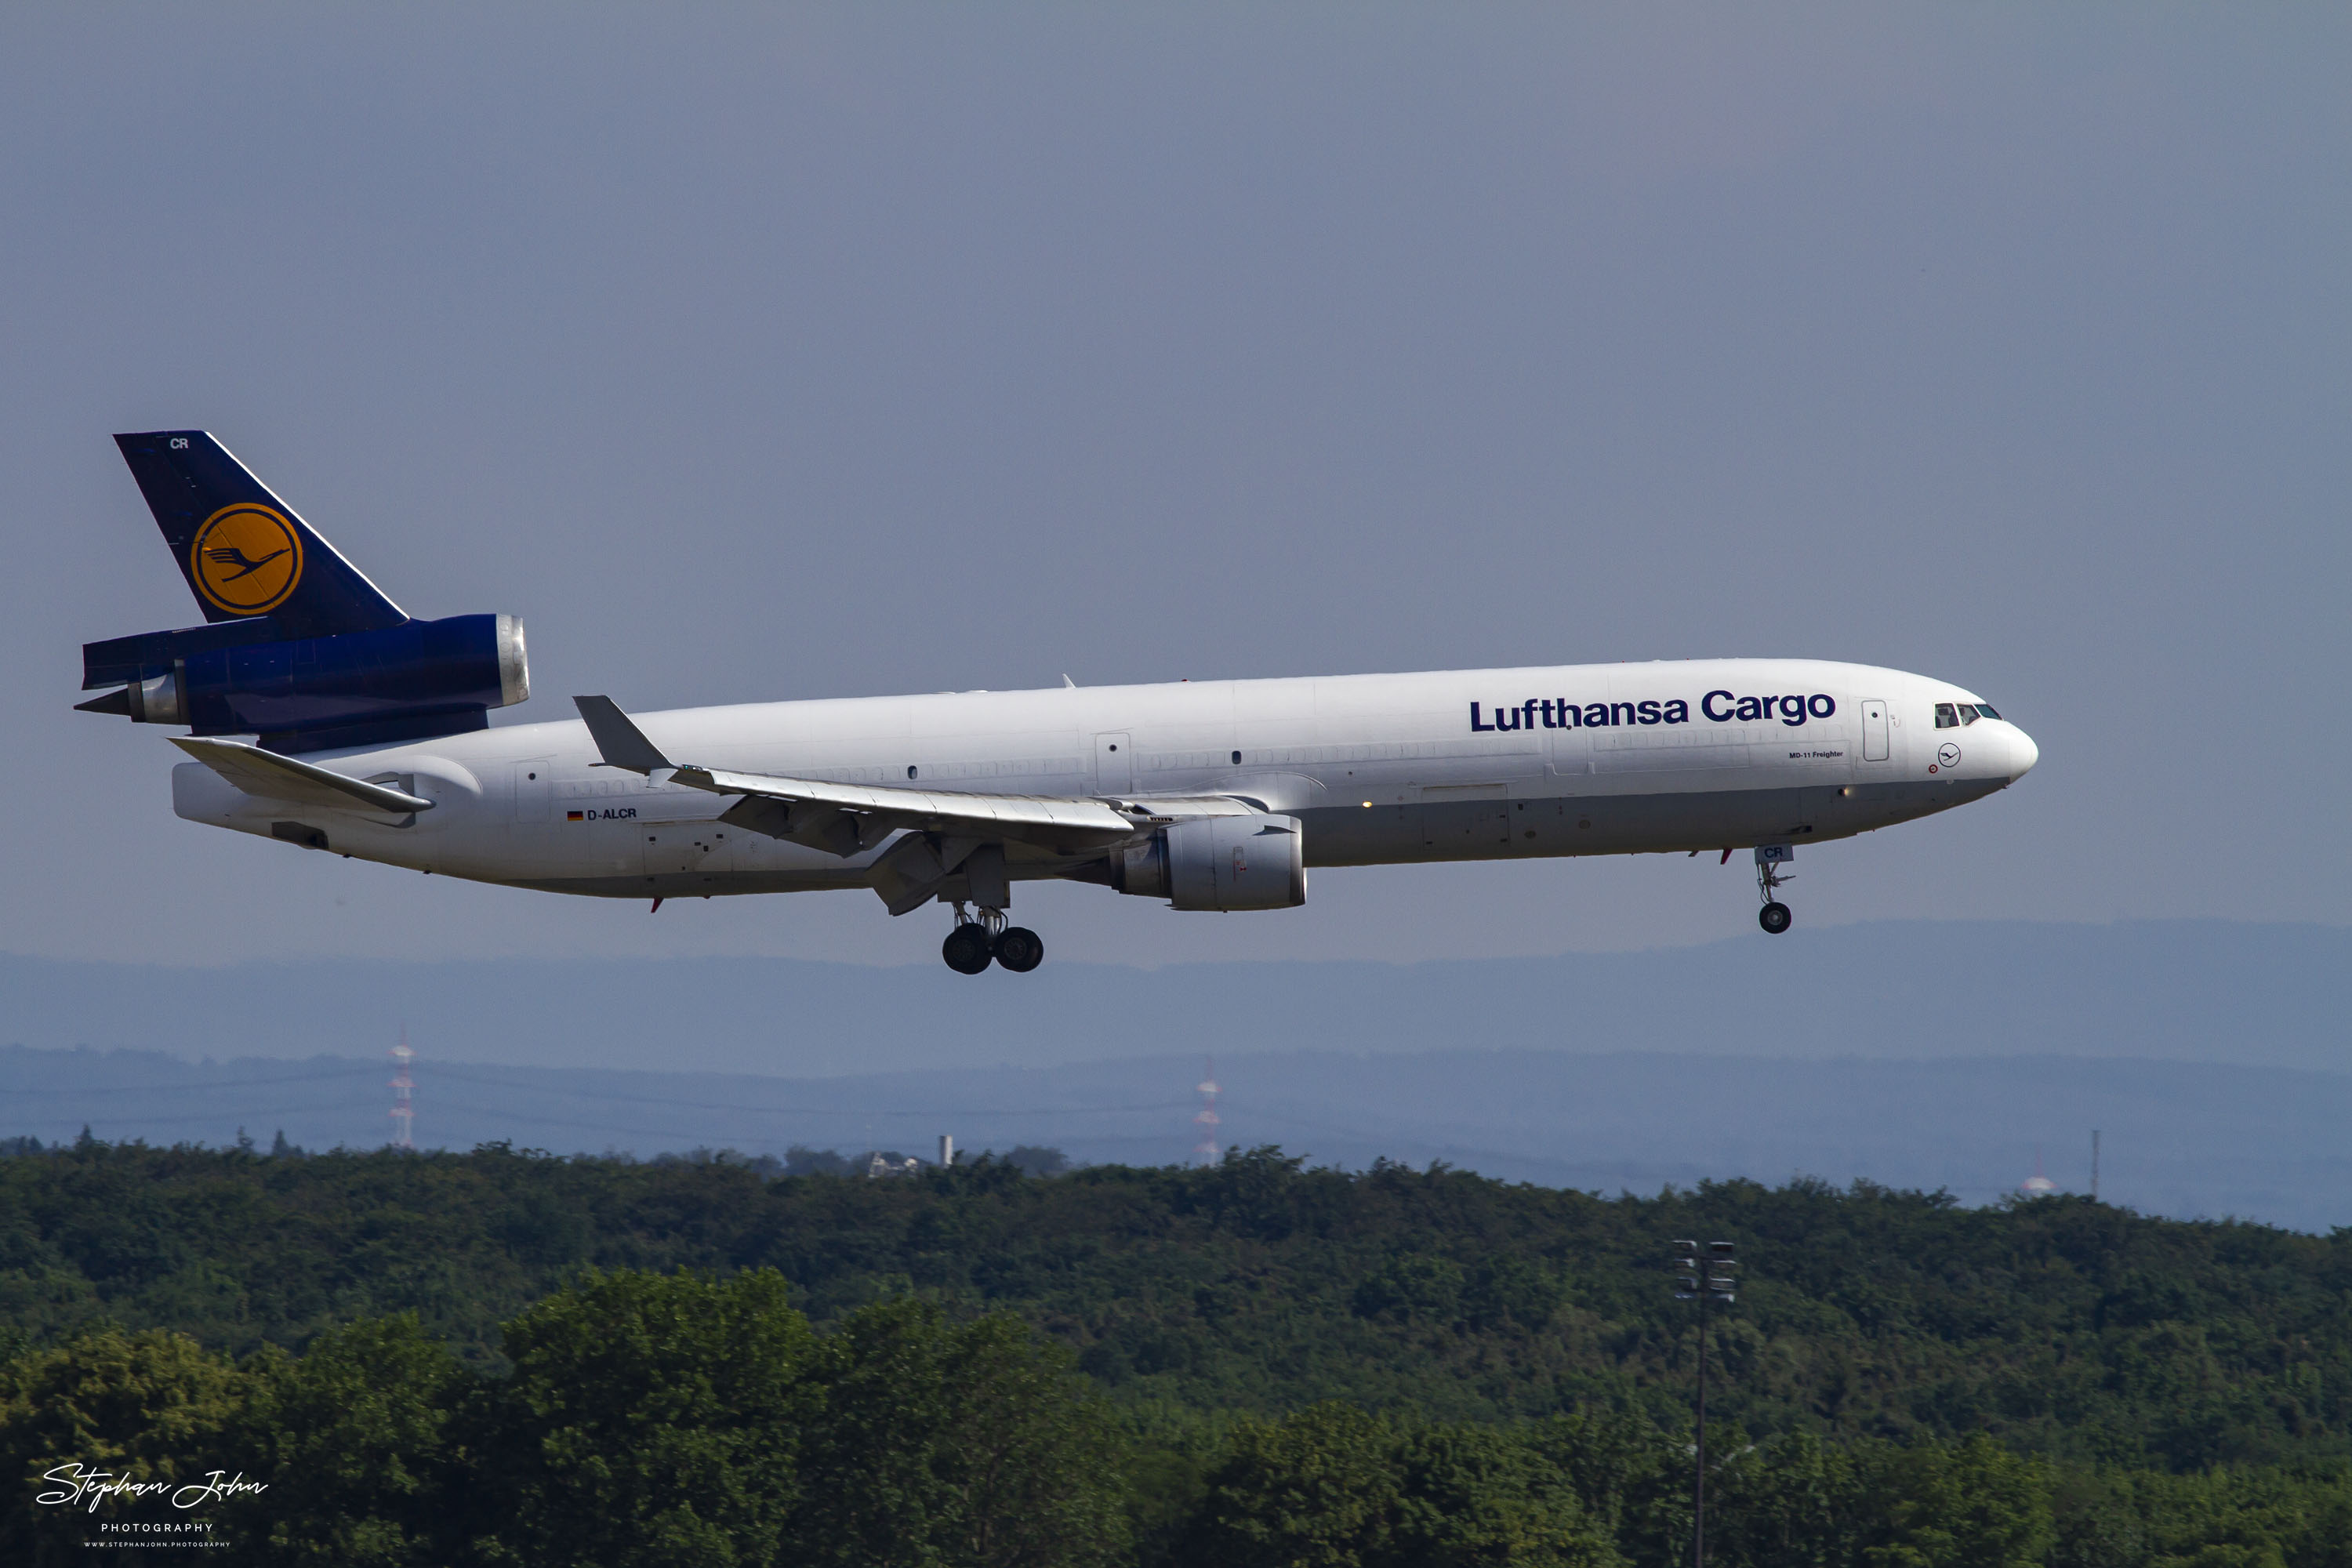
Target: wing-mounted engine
pixel 396 683
pixel 1226 863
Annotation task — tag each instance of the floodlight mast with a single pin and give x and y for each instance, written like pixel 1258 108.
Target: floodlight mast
pixel 1702 1278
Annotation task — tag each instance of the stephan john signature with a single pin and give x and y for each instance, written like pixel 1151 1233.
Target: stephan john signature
pixel 78 1481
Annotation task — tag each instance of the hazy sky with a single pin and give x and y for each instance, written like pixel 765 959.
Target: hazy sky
pixel 759 352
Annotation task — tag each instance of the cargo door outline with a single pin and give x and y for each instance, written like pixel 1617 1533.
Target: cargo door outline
pixel 534 790
pixel 1463 816
pixel 1114 763
pixel 1875 745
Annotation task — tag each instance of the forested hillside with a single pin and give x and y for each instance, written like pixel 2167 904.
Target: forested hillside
pixel 2058 1327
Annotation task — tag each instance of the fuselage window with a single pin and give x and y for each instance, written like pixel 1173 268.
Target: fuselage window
pixel 1945 718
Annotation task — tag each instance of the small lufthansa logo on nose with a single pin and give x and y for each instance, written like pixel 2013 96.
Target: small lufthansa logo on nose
pixel 246 559
pixel 1948 754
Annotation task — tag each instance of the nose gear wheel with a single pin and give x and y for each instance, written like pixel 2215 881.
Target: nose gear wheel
pixel 1775 916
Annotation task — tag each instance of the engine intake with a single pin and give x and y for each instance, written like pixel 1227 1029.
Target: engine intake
pixel 1224 863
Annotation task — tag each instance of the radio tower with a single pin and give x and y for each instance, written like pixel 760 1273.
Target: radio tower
pixel 1208 1121
pixel 404 1108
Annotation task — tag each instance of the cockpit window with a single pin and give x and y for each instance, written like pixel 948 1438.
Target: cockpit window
pixel 1968 713
pixel 1946 718
pixel 1985 708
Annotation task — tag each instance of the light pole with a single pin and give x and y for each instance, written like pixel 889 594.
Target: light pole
pixel 1701 1278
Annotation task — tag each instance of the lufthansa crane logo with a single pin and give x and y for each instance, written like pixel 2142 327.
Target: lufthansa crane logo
pixel 246 558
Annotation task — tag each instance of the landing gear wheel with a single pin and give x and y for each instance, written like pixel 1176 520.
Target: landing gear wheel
pixel 1020 950
pixel 967 948
pixel 1774 917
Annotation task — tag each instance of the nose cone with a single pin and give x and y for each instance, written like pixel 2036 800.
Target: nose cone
pixel 2022 753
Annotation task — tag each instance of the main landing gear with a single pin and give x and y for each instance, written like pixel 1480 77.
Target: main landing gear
pixel 974 944
pixel 1774 917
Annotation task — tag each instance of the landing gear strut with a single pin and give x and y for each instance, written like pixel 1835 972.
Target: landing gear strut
pixel 1774 917
pixel 978 941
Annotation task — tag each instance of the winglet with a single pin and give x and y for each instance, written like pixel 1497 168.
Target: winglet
pixel 621 743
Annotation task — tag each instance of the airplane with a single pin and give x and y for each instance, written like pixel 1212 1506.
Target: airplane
pixel 370 736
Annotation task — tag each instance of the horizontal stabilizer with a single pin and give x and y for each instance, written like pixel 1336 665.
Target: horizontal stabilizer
pixel 272 777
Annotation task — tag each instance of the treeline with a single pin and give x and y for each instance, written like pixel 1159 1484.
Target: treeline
pixel 655 1420
pixel 641 1420
pixel 2059 1326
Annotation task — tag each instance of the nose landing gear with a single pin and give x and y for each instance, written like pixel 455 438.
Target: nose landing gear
pixel 1774 917
pixel 975 943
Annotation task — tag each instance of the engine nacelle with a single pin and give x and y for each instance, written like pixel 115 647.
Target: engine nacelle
pixel 1226 863
pixel 418 679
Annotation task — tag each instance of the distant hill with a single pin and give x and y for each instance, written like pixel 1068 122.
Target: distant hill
pixel 2274 996
pixel 2062 1327
pixel 2181 1139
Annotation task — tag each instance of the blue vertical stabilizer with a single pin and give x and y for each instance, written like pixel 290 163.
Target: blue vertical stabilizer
pixel 245 552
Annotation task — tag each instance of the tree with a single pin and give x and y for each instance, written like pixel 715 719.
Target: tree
pixel 1038 1160
pixel 1337 1487
pixel 1971 1504
pixel 152 1409
pixel 650 1420
pixel 800 1160
pixel 1793 1502
pixel 354 1439
pixel 955 1445
pixel 1317 1490
pixel 1477 1495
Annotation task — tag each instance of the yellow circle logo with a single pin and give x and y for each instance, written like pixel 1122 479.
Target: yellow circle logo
pixel 248 558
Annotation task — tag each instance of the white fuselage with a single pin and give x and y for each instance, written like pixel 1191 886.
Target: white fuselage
pixel 1699 754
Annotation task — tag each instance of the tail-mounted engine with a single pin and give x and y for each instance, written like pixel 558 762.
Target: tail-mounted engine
pixel 363 688
pixel 1255 862
pixel 298 646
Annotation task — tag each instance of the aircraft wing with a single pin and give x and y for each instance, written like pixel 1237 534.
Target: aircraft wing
pixel 274 777
pixel 846 818
pixel 1059 820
